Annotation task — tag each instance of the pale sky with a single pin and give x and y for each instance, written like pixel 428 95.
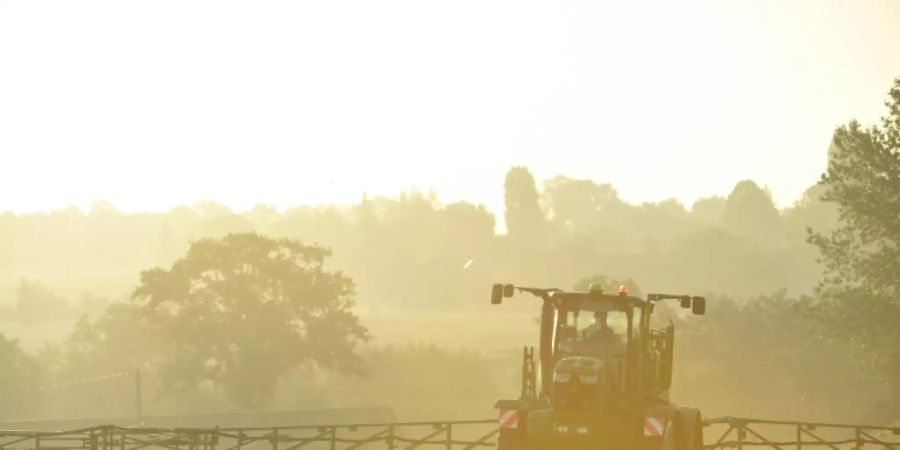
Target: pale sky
pixel 151 104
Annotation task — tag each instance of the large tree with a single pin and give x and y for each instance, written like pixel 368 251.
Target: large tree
pixel 242 310
pixel 524 217
pixel 750 213
pixel 859 297
pixel 577 207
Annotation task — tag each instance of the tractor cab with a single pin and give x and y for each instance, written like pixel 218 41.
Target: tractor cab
pixel 593 327
pixel 601 368
pixel 591 338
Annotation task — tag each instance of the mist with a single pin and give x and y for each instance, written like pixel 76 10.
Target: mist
pixel 421 269
pixel 295 213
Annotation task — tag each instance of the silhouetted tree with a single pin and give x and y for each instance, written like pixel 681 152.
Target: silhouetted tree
pixel 222 225
pixel 858 296
pixel 244 309
pixel 577 206
pixel 709 210
pixel 749 212
pixel 8 233
pixel 524 218
pixel 167 243
pixel 19 378
pixel 366 216
pixel 465 227
pixel 262 216
pixel 783 365
pixel 810 212
pixel 36 303
pixel 116 340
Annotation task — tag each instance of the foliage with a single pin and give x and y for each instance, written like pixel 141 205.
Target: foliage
pixel 810 209
pixel 36 303
pixel 524 218
pixel 19 378
pixel 115 341
pixel 858 296
pixel 578 206
pixel 422 245
pixel 709 210
pixel 242 310
pixel 761 357
pixel 749 212
pixel 409 254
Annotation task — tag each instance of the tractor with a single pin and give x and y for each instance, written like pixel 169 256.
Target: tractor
pixel 602 377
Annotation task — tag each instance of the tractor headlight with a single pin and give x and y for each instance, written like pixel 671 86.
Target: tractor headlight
pixel 581 430
pixel 588 379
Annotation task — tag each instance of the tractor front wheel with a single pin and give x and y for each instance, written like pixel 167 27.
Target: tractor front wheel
pixel 512 439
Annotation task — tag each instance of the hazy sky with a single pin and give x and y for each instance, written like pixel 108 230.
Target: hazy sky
pixel 149 104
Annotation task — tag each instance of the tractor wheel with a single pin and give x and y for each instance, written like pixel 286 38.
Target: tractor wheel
pixel 697 437
pixel 511 439
pixel 686 429
pixel 693 429
pixel 672 439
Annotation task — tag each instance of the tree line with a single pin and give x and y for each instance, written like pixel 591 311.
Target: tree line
pixel 227 304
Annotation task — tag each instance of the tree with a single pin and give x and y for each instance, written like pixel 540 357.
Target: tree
pixel 36 303
pixel 242 310
pixel 465 228
pixel 751 357
pixel 114 341
pixel 810 212
pixel 859 295
pixel 102 351
pixel 19 374
pixel 750 213
pixel 524 218
pixel 577 206
pixel 709 210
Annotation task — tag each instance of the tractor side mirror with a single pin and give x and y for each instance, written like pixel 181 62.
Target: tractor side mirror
pixel 508 290
pixel 698 306
pixel 685 301
pixel 497 294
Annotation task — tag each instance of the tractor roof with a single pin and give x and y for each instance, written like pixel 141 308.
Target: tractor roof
pixel 557 295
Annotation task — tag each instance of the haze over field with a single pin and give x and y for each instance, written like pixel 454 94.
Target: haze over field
pixel 282 205
pixel 151 105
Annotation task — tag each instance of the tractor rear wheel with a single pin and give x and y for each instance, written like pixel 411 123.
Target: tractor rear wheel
pixel 511 439
pixel 684 431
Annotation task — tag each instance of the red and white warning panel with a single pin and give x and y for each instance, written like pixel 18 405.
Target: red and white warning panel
pixel 508 418
pixel 655 426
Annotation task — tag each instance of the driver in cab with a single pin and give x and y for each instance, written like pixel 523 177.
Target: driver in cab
pixel 599 337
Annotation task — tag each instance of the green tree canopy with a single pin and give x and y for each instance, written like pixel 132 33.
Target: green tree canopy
pixel 242 310
pixel 859 297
